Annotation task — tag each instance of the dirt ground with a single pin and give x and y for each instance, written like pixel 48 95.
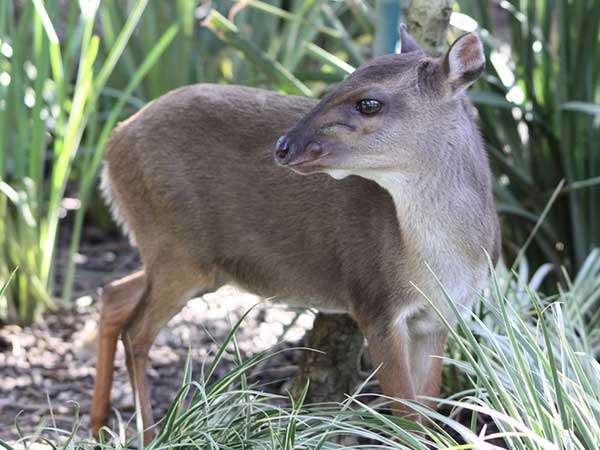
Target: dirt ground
pixel 47 370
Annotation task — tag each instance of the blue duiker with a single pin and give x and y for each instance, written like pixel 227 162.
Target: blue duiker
pixel 345 204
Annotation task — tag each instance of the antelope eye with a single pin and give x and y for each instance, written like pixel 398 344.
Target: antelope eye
pixel 368 106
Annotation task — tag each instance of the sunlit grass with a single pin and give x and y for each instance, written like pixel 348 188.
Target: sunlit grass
pixel 50 91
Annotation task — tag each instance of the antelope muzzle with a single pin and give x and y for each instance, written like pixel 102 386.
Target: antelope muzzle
pixel 295 152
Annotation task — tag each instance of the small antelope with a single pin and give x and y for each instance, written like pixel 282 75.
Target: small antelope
pixel 399 182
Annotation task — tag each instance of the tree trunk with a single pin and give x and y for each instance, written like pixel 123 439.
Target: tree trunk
pixel 428 24
pixel 335 372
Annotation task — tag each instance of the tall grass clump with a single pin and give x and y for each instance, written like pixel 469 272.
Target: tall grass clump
pixel 539 108
pixel 530 361
pixel 51 80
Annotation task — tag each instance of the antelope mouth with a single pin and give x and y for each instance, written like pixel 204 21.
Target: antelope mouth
pixel 306 166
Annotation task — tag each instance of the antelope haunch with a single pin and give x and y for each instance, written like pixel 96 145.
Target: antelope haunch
pixel 399 181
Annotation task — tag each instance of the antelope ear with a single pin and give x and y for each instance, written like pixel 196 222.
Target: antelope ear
pixel 464 62
pixel 407 43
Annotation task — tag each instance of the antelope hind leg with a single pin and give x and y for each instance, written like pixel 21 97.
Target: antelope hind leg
pixel 164 297
pixel 118 299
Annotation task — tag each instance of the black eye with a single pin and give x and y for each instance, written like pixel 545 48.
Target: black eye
pixel 368 106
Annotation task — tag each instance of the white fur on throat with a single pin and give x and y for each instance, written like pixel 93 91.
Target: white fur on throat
pixel 338 174
pixel 429 227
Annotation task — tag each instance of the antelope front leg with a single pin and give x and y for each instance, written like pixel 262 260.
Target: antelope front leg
pixel 426 351
pixel 390 349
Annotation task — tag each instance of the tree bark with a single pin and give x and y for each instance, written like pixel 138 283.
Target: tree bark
pixel 335 372
pixel 428 24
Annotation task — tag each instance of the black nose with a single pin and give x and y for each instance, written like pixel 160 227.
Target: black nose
pixel 282 149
